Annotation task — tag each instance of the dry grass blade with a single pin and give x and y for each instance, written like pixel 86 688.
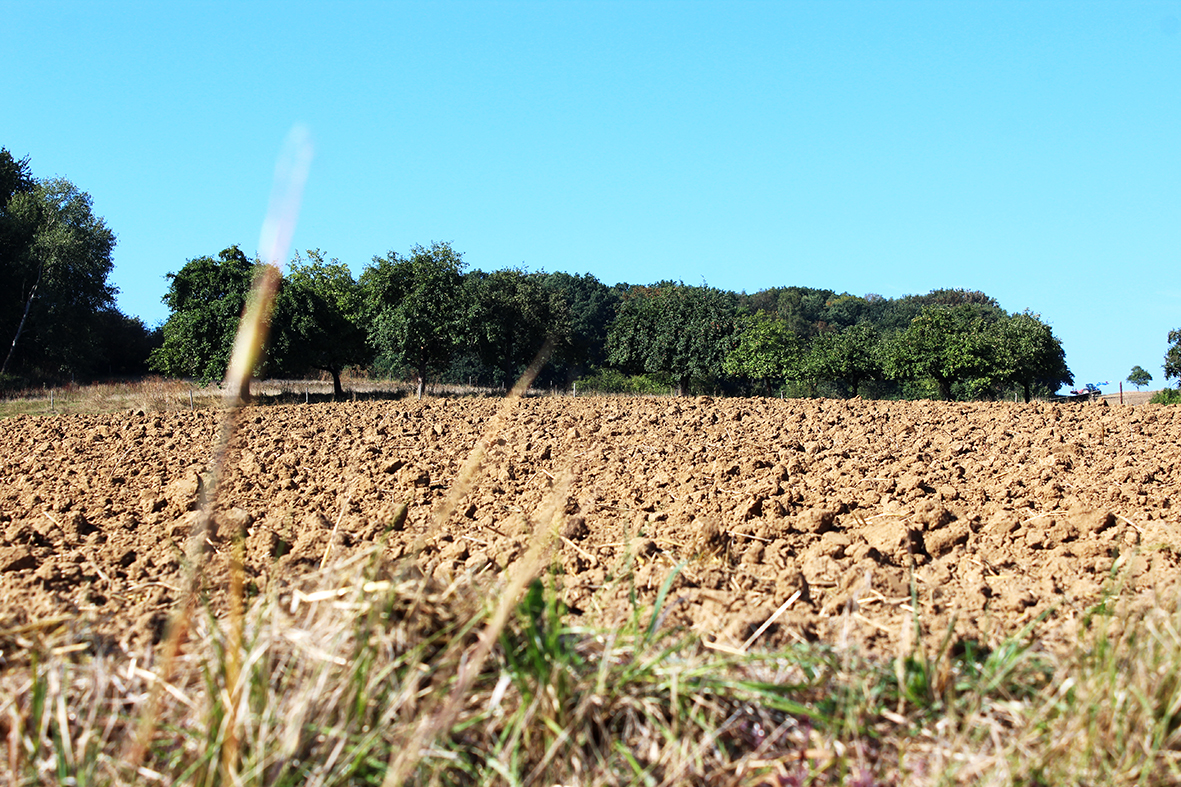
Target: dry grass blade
pixel 335 529
pixel 435 723
pixel 745 646
pixel 290 176
pixel 466 477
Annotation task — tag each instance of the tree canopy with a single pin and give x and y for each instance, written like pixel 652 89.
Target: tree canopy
pixel 425 316
pixel 590 306
pixel 413 306
pixel 948 344
pixel 510 317
pixel 673 329
pixel 15 178
pixel 1139 377
pixel 205 298
pixel 318 320
pixel 55 260
pixel 766 350
pixel 1173 356
pixel 1028 355
pixel 851 356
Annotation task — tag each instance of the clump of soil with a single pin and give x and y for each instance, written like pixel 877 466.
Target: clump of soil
pixel 988 515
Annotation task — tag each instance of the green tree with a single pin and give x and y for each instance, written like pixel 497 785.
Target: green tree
pixel 672 329
pixel 851 356
pixel 1139 377
pixel 510 315
pixel 319 320
pixel 844 311
pixel 55 257
pixel 766 351
pixel 802 308
pixel 947 344
pixel 17 229
pixel 205 300
pixel 1173 356
pixel 125 344
pixel 15 178
pixel 591 306
pixel 896 315
pixel 414 309
pixel 1026 354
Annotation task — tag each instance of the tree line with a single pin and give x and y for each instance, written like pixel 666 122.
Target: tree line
pixel 425 316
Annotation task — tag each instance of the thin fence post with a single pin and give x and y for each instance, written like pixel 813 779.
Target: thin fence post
pixel 192 406
pixel 51 409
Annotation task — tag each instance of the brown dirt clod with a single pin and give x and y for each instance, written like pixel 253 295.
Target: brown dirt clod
pixel 1001 512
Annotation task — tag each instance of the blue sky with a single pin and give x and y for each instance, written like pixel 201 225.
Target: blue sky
pixel 1031 150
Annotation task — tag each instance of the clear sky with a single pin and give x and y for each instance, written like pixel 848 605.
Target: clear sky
pixel 1031 150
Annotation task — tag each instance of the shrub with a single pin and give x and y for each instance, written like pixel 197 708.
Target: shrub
pixel 13 382
pixel 1167 396
pixel 613 381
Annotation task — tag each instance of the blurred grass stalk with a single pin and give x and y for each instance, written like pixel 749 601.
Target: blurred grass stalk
pixel 291 173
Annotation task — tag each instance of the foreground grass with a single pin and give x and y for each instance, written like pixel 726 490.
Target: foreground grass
pixel 336 677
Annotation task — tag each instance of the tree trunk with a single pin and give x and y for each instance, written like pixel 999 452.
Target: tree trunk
pixel 337 388
pixel 25 316
pixel 944 388
pixel 1026 387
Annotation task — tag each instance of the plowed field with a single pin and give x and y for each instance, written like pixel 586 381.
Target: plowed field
pixel 1008 513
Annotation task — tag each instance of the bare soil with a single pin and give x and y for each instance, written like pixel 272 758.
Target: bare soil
pixel 1004 514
